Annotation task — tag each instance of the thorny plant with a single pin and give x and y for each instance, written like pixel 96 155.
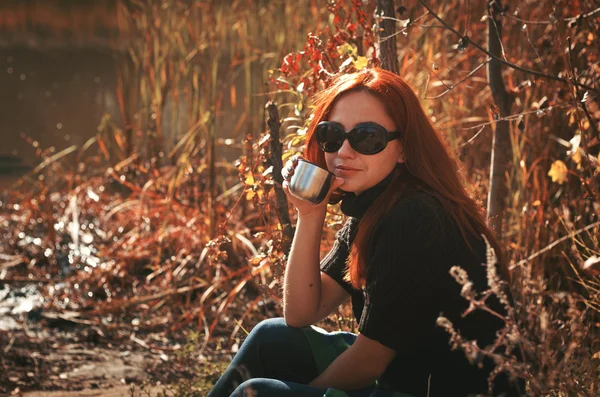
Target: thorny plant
pixel 546 338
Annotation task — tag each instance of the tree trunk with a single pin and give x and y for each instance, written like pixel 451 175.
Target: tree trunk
pixel 388 53
pixel 501 146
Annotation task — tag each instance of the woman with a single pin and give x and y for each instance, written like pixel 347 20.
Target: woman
pixel 409 221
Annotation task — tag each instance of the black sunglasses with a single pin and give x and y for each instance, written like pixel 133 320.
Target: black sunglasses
pixel 365 138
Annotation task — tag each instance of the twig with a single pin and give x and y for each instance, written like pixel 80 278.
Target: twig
pixel 405 28
pixel 554 243
pixel 512 116
pixel 12 263
pixel 10 344
pixel 136 301
pixel 568 144
pixel 139 341
pixel 473 137
pixel 567 20
pixel 460 82
pixel 579 97
pixel 506 63
pixel 206 331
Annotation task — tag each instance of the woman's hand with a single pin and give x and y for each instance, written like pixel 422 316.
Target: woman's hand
pixel 305 207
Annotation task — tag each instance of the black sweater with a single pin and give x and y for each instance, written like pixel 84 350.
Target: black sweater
pixel 408 286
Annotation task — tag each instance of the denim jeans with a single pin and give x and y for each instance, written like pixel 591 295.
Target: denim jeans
pixel 274 361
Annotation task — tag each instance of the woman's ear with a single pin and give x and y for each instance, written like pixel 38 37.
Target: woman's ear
pixel 401 157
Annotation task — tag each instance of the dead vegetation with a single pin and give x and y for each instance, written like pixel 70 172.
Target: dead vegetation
pixel 146 233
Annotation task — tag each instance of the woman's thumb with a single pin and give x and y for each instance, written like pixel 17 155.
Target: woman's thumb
pixel 337 182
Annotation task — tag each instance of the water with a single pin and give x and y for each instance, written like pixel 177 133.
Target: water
pixel 16 304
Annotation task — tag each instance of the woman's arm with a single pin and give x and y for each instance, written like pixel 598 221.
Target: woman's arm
pixel 309 295
pixel 302 282
pixel 344 373
pixel 302 287
pixel 306 299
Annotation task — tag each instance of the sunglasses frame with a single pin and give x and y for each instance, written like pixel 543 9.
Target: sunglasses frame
pixel 350 135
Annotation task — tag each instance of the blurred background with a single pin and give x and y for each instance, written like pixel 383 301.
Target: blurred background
pixel 58 76
pixel 143 226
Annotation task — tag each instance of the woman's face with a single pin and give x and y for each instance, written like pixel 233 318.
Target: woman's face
pixel 361 171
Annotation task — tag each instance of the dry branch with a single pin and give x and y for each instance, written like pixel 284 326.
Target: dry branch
pixel 281 204
pixel 502 60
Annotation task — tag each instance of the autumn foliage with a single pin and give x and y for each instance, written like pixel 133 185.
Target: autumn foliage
pixel 151 228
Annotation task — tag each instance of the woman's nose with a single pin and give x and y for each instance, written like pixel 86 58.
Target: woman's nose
pixel 346 150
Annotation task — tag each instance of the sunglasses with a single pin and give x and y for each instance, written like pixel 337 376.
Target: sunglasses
pixel 365 138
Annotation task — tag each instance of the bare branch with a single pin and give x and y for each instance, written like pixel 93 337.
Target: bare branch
pixel 579 94
pixel 567 20
pixel 473 137
pixel 410 23
pixel 553 244
pixel 515 116
pixel 460 82
pixel 506 63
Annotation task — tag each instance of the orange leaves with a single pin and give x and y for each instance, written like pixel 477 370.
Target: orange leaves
pixel 253 187
pixel 321 58
pixel 558 172
pixel 255 183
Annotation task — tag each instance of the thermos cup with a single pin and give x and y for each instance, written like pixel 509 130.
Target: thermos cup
pixel 310 182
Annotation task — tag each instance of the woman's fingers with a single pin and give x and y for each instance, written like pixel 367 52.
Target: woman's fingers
pixel 288 169
pixel 337 182
pixel 285 171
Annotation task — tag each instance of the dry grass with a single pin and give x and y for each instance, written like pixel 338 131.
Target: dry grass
pixel 146 221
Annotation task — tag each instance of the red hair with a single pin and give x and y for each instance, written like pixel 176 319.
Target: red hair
pixel 429 164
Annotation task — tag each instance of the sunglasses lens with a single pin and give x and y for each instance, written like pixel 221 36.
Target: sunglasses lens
pixel 330 137
pixel 368 140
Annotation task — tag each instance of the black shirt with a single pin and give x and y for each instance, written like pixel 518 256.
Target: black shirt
pixel 408 286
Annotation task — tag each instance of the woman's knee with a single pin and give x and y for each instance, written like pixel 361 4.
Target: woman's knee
pixel 256 387
pixel 269 328
pixel 282 352
pixel 274 338
pixel 265 387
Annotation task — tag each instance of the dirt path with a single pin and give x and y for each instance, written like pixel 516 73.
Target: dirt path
pixel 79 371
pixel 117 391
pixel 44 354
pixel 47 365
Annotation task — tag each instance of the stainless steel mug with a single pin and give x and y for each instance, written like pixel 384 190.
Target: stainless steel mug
pixel 310 182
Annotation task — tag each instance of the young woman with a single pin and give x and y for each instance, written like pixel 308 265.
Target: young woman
pixel 409 221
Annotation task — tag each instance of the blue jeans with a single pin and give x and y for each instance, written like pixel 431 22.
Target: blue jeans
pixel 274 361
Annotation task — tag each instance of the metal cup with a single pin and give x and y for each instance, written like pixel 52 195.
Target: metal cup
pixel 310 182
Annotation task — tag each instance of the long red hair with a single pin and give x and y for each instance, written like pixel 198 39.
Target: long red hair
pixel 429 164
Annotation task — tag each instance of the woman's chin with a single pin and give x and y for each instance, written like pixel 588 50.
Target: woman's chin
pixel 347 188
pixel 350 185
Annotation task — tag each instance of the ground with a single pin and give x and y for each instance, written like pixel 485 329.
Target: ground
pixel 56 363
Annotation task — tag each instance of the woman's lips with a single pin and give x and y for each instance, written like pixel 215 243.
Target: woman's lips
pixel 345 171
